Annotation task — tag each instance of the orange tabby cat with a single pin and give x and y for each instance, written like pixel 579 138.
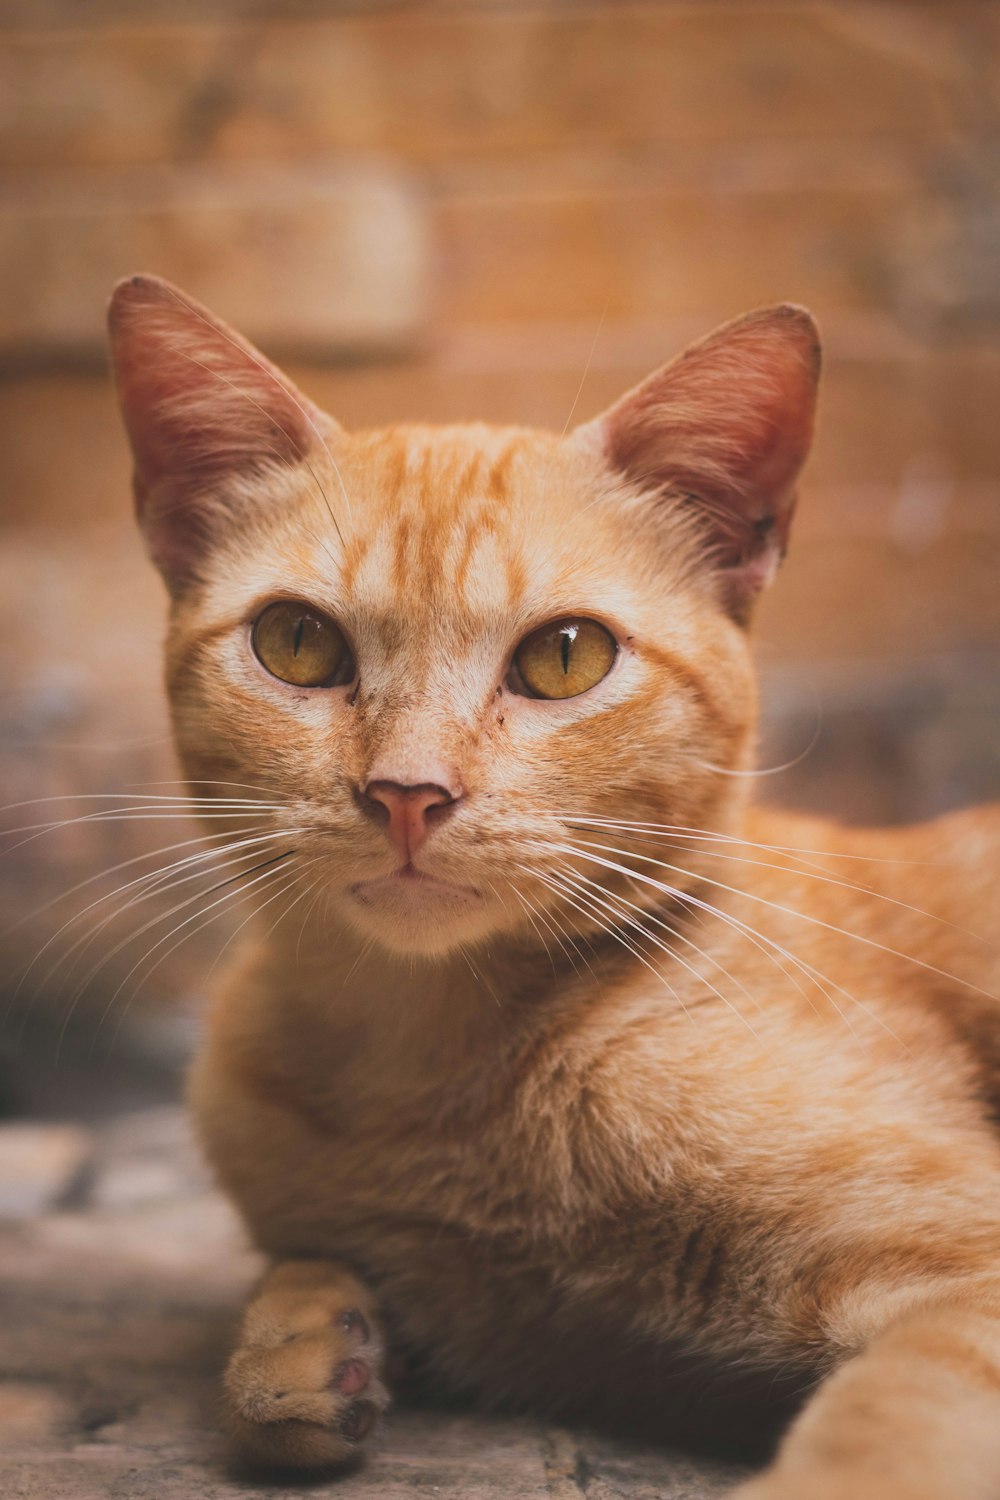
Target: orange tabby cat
pixel 570 1080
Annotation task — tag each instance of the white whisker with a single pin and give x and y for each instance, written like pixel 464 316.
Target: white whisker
pixel 680 830
pixel 236 894
pixel 153 921
pixel 663 840
pixel 124 864
pixel 612 931
pixel 682 937
pixel 804 917
pixel 268 868
pixel 152 879
pixel 779 952
pixel 606 901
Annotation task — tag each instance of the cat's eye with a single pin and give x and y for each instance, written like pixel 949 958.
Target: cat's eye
pixel 300 645
pixel 565 658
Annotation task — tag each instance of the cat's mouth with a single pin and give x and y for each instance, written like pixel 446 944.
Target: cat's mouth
pixel 410 888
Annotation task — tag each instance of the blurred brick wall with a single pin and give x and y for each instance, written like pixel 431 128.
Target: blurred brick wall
pixel 513 211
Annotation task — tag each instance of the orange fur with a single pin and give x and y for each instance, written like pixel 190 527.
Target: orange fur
pixel 690 1104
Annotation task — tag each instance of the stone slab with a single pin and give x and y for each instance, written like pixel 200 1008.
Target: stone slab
pixel 117 1319
pixel 39 1164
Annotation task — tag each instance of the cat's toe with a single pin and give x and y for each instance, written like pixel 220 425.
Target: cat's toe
pixel 351 1377
pixel 311 1401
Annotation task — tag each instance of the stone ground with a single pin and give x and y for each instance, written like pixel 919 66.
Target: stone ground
pixel 121 1274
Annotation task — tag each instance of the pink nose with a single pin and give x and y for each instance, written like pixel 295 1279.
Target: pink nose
pixel 407 812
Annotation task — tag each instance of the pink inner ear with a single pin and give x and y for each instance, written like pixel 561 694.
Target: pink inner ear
pixel 728 426
pixel 194 394
pixel 199 402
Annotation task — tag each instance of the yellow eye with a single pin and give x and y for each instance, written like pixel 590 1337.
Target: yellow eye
pixel 565 658
pixel 301 646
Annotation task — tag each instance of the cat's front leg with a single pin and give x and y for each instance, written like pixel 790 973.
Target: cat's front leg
pixel 915 1416
pixel 304 1387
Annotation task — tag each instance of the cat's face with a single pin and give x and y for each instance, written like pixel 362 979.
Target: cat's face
pixel 441 651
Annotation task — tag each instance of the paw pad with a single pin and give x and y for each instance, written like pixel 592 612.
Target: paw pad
pixel 350 1377
pixel 356 1324
pixel 359 1421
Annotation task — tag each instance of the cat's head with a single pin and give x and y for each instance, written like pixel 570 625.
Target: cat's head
pixel 453 656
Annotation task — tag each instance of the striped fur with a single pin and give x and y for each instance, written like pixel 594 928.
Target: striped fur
pixel 664 1129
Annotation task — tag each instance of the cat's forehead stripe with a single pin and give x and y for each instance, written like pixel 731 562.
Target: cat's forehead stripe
pixel 470 564
pixel 436 529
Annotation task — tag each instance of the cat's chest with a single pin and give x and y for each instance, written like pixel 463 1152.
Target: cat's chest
pixel 388 1172
pixel 355 1168
pixel 531 1150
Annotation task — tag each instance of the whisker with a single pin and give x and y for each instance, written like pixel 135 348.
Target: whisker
pixel 236 894
pixel 813 873
pixel 484 983
pixel 537 930
pixel 124 864
pixel 682 937
pixel 772 950
pixel 586 368
pixel 266 866
pixel 757 938
pixel 612 931
pixel 679 830
pixel 362 954
pixel 153 921
pixel 807 917
pixel 676 957
pixel 248 786
pixel 132 816
pixel 564 947
pixel 295 877
pixel 787 765
pixel 318 886
pixel 153 877
pixel 141 797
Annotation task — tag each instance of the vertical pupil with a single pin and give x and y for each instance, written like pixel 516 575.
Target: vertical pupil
pixel 566 639
pixel 300 626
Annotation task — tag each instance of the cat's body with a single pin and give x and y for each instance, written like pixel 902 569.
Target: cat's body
pixel 584 1198
pixel 607 1096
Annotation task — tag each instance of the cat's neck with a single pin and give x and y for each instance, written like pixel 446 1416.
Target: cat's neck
pixel 333 995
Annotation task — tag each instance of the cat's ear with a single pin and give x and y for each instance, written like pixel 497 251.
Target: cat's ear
pixel 722 433
pixel 200 405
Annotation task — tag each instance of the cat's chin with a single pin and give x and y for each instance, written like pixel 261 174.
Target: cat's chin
pixel 412 912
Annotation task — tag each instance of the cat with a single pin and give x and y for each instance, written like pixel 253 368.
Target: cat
pixel 566 1078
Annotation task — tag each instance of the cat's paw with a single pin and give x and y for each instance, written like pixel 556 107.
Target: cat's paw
pixel 304 1386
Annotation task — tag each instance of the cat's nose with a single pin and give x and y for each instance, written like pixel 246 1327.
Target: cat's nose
pixel 408 813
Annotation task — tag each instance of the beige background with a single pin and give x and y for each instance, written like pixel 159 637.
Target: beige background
pixel 508 211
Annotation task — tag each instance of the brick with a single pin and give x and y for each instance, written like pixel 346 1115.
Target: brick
pixel 867 597
pixel 319 260
pixel 423 81
pixel 648 253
